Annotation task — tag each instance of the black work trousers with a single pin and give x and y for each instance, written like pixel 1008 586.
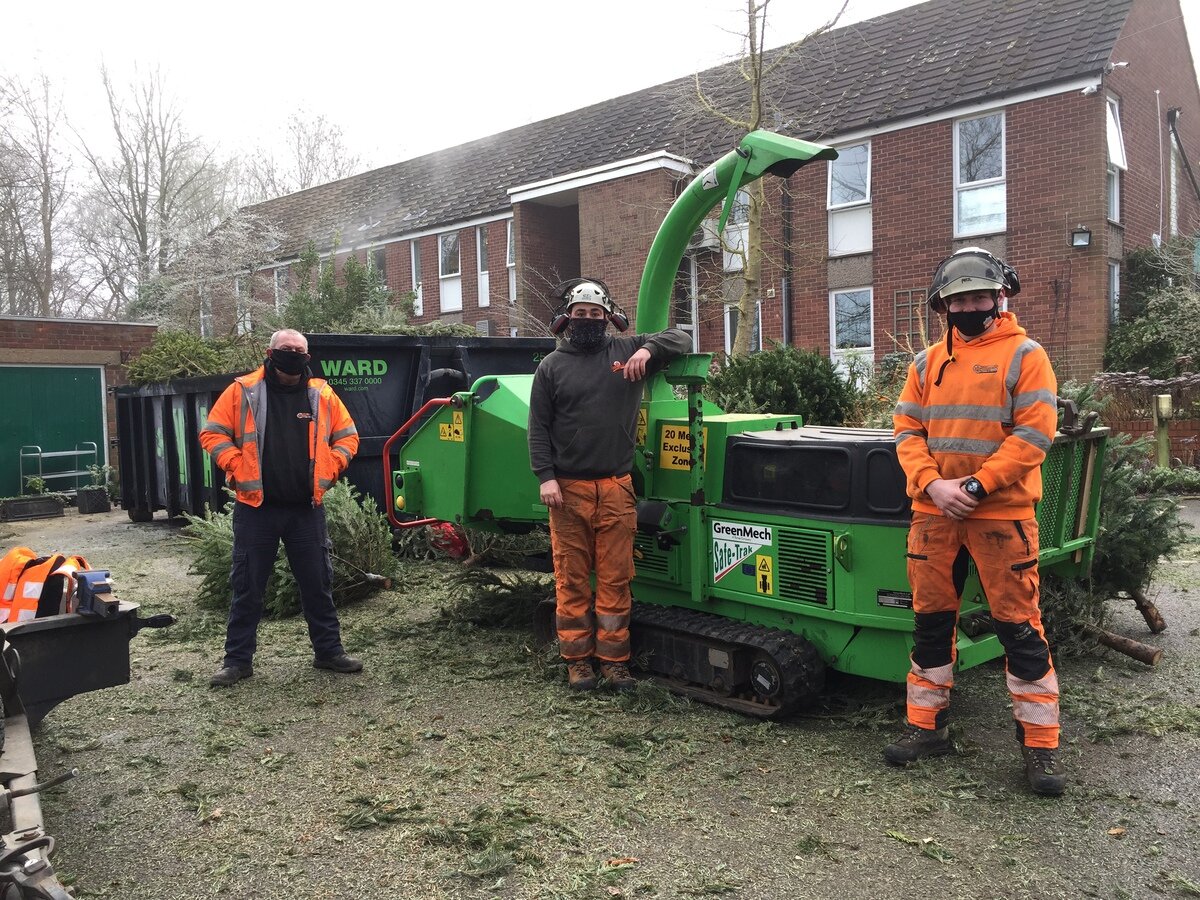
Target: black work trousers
pixel 257 531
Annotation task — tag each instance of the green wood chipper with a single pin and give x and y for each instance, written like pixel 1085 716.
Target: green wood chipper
pixel 768 551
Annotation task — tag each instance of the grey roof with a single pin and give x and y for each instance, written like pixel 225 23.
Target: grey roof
pixel 933 56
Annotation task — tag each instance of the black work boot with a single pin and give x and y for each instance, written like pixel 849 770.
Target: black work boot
pixel 1043 771
pixel 580 675
pixel 230 675
pixel 341 663
pixel 918 743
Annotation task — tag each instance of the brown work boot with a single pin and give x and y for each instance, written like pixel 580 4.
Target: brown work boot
pixel 618 675
pixel 918 743
pixel 1043 771
pixel 580 675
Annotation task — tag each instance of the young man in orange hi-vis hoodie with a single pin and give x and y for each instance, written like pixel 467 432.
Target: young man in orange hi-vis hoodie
pixel 975 419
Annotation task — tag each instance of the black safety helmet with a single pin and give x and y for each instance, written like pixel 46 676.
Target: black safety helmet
pixel 971 269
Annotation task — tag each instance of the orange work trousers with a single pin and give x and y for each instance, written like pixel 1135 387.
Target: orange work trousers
pixel 1006 555
pixel 593 532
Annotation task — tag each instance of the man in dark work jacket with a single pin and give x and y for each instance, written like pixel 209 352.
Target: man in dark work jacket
pixel 583 412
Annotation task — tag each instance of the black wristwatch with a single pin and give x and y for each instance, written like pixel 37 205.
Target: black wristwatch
pixel 973 487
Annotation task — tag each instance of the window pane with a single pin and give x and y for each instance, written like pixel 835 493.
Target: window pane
pixel 735 240
pixel 740 214
pixel 850 230
pixel 852 319
pixel 416 265
pixel 1114 194
pixel 1116 142
pixel 981 209
pixel 848 175
pixel 379 261
pixel 980 149
pixel 483 248
pixel 448 255
pixel 511 260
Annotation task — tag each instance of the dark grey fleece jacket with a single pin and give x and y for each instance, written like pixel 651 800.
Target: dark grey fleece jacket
pixel 583 415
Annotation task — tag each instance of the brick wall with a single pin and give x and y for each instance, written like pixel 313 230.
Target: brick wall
pixel 66 342
pixel 1184 435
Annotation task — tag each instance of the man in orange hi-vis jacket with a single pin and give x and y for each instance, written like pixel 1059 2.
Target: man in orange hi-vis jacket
pixel 975 419
pixel 282 437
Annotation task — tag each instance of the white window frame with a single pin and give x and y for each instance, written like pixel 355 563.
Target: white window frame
pixel 482 278
pixel 1114 291
pixel 281 275
pixel 206 313
pixel 730 311
pixel 961 188
pixel 450 283
pixel 414 253
pixel 510 260
pixel 1113 191
pixel 737 232
pixel 853 212
pixel 1173 194
pixel 242 324
pixel 1117 160
pixel 839 353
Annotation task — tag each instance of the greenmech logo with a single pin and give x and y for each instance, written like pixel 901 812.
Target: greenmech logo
pixel 354 374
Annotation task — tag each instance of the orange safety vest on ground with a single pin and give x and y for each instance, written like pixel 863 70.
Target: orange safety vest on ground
pixel 33 586
pixel 235 427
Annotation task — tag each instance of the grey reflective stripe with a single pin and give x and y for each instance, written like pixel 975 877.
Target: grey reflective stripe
pixel 905 435
pixel 913 410
pixel 251 438
pixel 974 412
pixel 249 485
pixel 254 402
pixel 1032 436
pixel 609 622
pixel 919 363
pixel 963 445
pixel 325 483
pixel 344 452
pixel 1014 367
pixel 1028 398
pixel 218 428
pixel 220 448
pixel 245 415
pixel 343 433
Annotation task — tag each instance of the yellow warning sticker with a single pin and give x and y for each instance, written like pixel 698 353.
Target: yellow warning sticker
pixel 641 428
pixel 456 426
pixel 674 449
pixel 444 431
pixel 764 576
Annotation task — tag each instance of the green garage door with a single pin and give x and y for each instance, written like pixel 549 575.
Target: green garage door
pixel 56 408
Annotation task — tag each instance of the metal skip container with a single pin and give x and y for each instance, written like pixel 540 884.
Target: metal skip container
pixel 382 379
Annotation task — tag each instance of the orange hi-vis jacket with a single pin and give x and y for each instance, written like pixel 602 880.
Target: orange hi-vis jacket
pixel 31 584
pixel 232 434
pixel 994 415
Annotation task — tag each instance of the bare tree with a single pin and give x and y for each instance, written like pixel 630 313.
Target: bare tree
pixel 313 151
pixel 745 106
pixel 159 189
pixel 33 195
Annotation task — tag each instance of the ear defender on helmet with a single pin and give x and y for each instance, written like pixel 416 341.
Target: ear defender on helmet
pixel 585 290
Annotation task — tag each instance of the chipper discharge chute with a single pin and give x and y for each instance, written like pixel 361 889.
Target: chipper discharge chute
pixel 767 551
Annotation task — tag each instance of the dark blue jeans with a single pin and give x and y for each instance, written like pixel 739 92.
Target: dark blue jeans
pixel 257 531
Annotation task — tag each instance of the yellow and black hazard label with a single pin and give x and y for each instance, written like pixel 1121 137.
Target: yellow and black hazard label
pixel 675 448
pixel 764 575
pixel 456 426
pixel 641 427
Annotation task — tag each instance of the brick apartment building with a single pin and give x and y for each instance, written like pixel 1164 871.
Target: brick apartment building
pixel 1059 134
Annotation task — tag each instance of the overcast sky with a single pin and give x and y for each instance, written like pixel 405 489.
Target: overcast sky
pixel 401 78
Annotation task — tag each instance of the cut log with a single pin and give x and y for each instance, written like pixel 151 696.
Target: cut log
pixel 1136 649
pixel 1149 612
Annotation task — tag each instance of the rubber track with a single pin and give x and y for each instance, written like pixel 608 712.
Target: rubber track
pixel 801 667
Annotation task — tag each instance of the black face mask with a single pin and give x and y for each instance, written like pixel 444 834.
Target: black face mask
pixel 587 334
pixel 289 362
pixel 974 323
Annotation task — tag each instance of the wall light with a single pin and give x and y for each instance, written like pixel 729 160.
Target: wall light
pixel 1081 236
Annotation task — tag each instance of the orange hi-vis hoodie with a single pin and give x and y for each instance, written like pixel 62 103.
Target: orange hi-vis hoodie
pixel 993 415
